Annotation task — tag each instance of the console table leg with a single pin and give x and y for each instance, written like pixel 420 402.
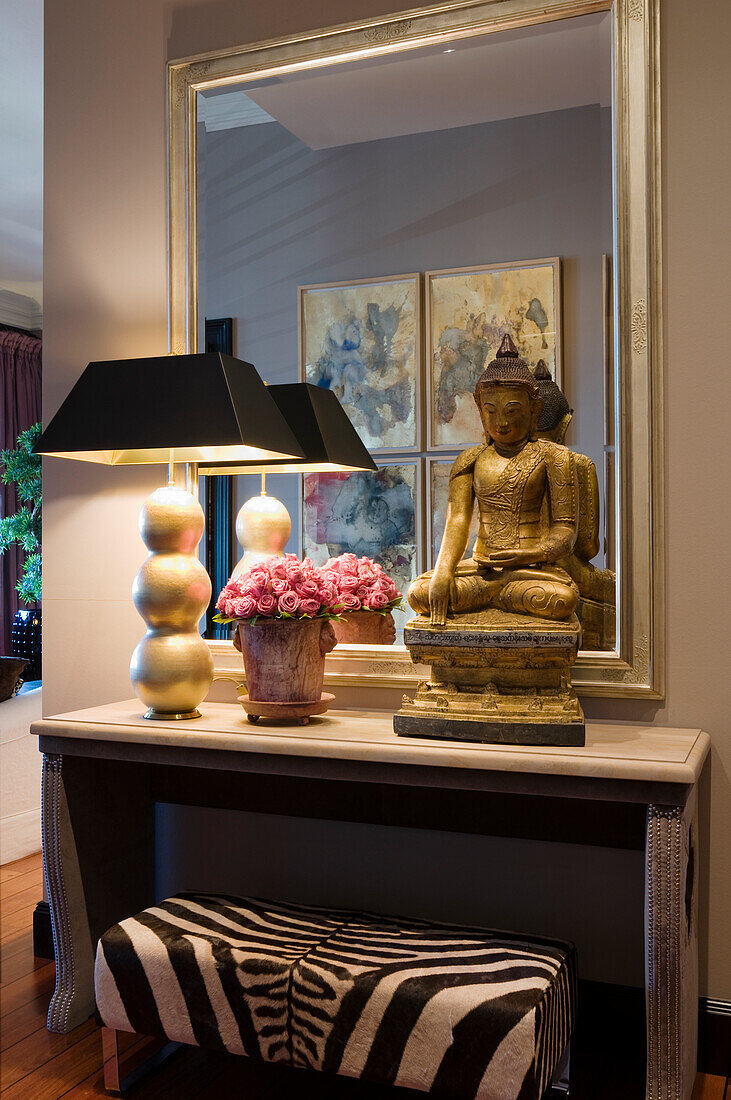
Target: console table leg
pixel 73 998
pixel 671 951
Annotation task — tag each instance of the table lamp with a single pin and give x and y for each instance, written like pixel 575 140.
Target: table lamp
pixel 328 441
pixel 167 409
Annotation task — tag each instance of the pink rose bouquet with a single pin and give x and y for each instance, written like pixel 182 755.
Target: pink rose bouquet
pixel 361 584
pixel 279 588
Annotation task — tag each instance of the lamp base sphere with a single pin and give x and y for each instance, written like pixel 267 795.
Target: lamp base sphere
pixel 263 527
pixel 171 668
pixel 171 673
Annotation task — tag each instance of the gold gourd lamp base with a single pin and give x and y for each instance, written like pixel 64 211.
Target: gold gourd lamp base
pixel 263 527
pixel 172 667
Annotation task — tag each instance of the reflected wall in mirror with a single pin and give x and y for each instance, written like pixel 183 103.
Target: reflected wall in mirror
pixel 450 151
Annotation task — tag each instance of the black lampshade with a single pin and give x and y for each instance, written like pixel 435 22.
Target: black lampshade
pixel 323 430
pixel 208 407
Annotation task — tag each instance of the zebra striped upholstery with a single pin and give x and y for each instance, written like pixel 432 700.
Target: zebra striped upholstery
pixel 457 1012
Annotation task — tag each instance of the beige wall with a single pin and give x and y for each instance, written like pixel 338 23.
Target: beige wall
pixel 105 296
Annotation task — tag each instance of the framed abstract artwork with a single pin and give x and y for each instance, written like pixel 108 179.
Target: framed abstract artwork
pixel 372 514
pixel 363 341
pixel 468 312
pixel 437 479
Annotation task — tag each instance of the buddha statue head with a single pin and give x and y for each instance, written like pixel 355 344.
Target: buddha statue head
pixel 508 398
pixel 556 414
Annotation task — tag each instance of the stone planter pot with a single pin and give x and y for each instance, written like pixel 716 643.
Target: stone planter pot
pixel 365 628
pixel 284 660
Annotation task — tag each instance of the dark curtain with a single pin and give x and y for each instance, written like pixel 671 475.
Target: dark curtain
pixel 20 408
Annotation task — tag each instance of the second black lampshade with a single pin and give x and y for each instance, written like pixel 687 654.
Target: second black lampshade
pixel 323 431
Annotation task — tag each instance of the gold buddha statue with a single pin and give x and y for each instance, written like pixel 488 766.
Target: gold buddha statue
pixel 526 490
pixel 597 585
pixel 499 630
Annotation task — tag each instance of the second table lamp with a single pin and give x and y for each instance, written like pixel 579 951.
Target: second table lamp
pixel 328 441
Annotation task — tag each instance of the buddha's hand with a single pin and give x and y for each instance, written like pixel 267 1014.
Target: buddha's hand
pixel 442 596
pixel 512 559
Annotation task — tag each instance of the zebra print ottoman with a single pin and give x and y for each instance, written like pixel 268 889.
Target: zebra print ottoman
pixel 457 1012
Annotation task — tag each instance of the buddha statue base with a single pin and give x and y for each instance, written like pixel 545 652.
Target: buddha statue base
pixel 496 678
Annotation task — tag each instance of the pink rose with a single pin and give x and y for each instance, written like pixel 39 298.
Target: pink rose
pixel 225 596
pixel 366 572
pixel 328 593
pixel 349 583
pixel 309 607
pixel 307 588
pixel 244 607
pixel 277 569
pixel 376 601
pixel 279 585
pixel 289 603
pixel 294 573
pixel 266 604
pixel 350 602
pixel 257 575
pixel 362 591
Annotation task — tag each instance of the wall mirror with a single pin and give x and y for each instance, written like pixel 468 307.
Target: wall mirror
pixel 373 206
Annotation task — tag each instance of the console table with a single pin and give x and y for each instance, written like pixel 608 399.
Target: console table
pixel 629 786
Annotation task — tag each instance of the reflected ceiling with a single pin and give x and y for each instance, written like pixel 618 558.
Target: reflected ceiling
pixel 550 67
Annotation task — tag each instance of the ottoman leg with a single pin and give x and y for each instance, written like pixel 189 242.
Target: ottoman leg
pixel 114 1083
pixel 110 1061
pixel 559 1089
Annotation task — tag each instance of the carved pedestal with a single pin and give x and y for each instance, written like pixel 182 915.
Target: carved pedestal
pixel 495 678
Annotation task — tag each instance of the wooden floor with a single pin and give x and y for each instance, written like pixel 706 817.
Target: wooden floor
pixel 36 1065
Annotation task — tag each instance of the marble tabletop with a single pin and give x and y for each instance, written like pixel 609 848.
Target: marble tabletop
pixel 612 751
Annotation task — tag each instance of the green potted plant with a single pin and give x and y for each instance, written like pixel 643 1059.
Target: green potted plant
pixel 23 468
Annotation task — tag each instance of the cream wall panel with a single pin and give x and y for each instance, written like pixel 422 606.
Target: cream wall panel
pixel 20 783
pixel 20 835
pixel 20 777
pixel 87 649
pixel 105 295
pixel 105 504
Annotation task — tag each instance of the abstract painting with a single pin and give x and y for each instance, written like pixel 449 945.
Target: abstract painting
pixel 438 478
pixel 469 312
pixel 363 341
pixel 376 515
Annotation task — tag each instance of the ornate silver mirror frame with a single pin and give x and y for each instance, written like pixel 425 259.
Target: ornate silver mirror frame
pixel 637 667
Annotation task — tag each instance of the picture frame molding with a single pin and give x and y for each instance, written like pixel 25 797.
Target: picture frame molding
pixel 418 278
pixel 432 460
pixel 429 276
pixel 383 460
